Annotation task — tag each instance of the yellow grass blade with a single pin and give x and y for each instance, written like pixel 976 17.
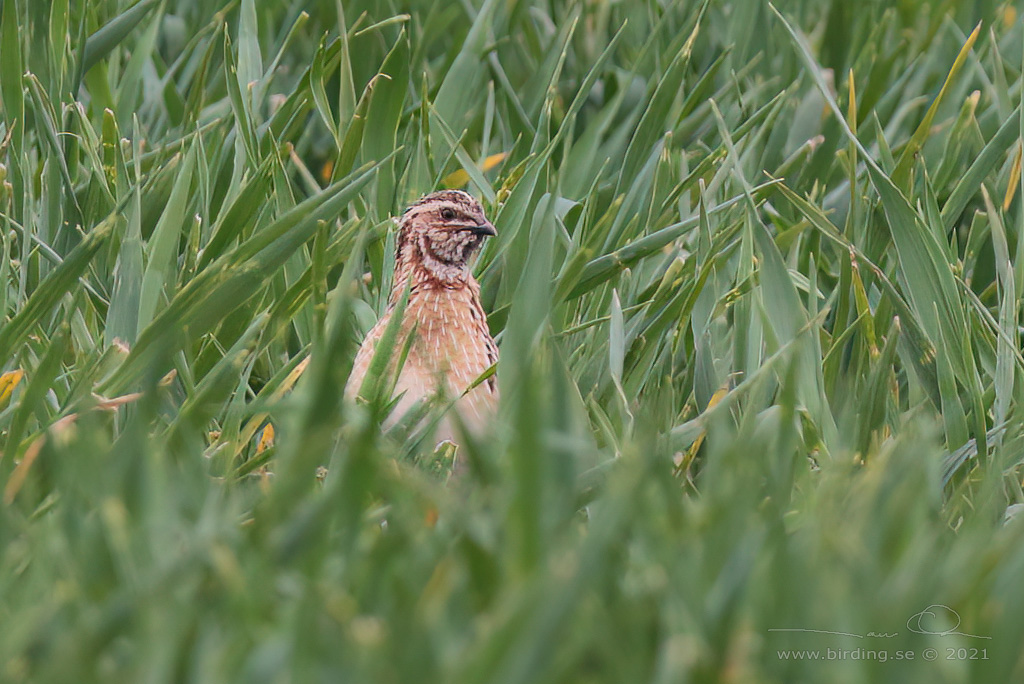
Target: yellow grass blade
pixel 684 465
pixel 266 439
pixel 457 179
pixel 8 381
pixel 1011 188
pixel 924 129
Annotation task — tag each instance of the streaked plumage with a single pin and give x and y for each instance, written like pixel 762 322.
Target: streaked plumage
pixel 452 346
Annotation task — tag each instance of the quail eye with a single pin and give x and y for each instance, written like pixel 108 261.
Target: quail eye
pixel 447 214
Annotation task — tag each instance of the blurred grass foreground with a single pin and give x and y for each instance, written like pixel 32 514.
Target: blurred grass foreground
pixel 757 286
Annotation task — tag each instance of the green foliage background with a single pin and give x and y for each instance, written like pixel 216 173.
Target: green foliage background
pixel 817 209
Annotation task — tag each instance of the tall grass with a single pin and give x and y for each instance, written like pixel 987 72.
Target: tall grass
pixel 757 285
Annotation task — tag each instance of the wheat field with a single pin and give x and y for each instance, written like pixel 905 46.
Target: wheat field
pixel 757 287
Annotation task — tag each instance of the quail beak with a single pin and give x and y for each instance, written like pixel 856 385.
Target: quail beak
pixel 485 228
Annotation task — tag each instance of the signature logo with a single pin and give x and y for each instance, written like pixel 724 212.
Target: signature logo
pixel 933 620
pixel 930 618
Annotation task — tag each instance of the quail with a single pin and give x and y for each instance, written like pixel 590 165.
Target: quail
pixel 451 346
